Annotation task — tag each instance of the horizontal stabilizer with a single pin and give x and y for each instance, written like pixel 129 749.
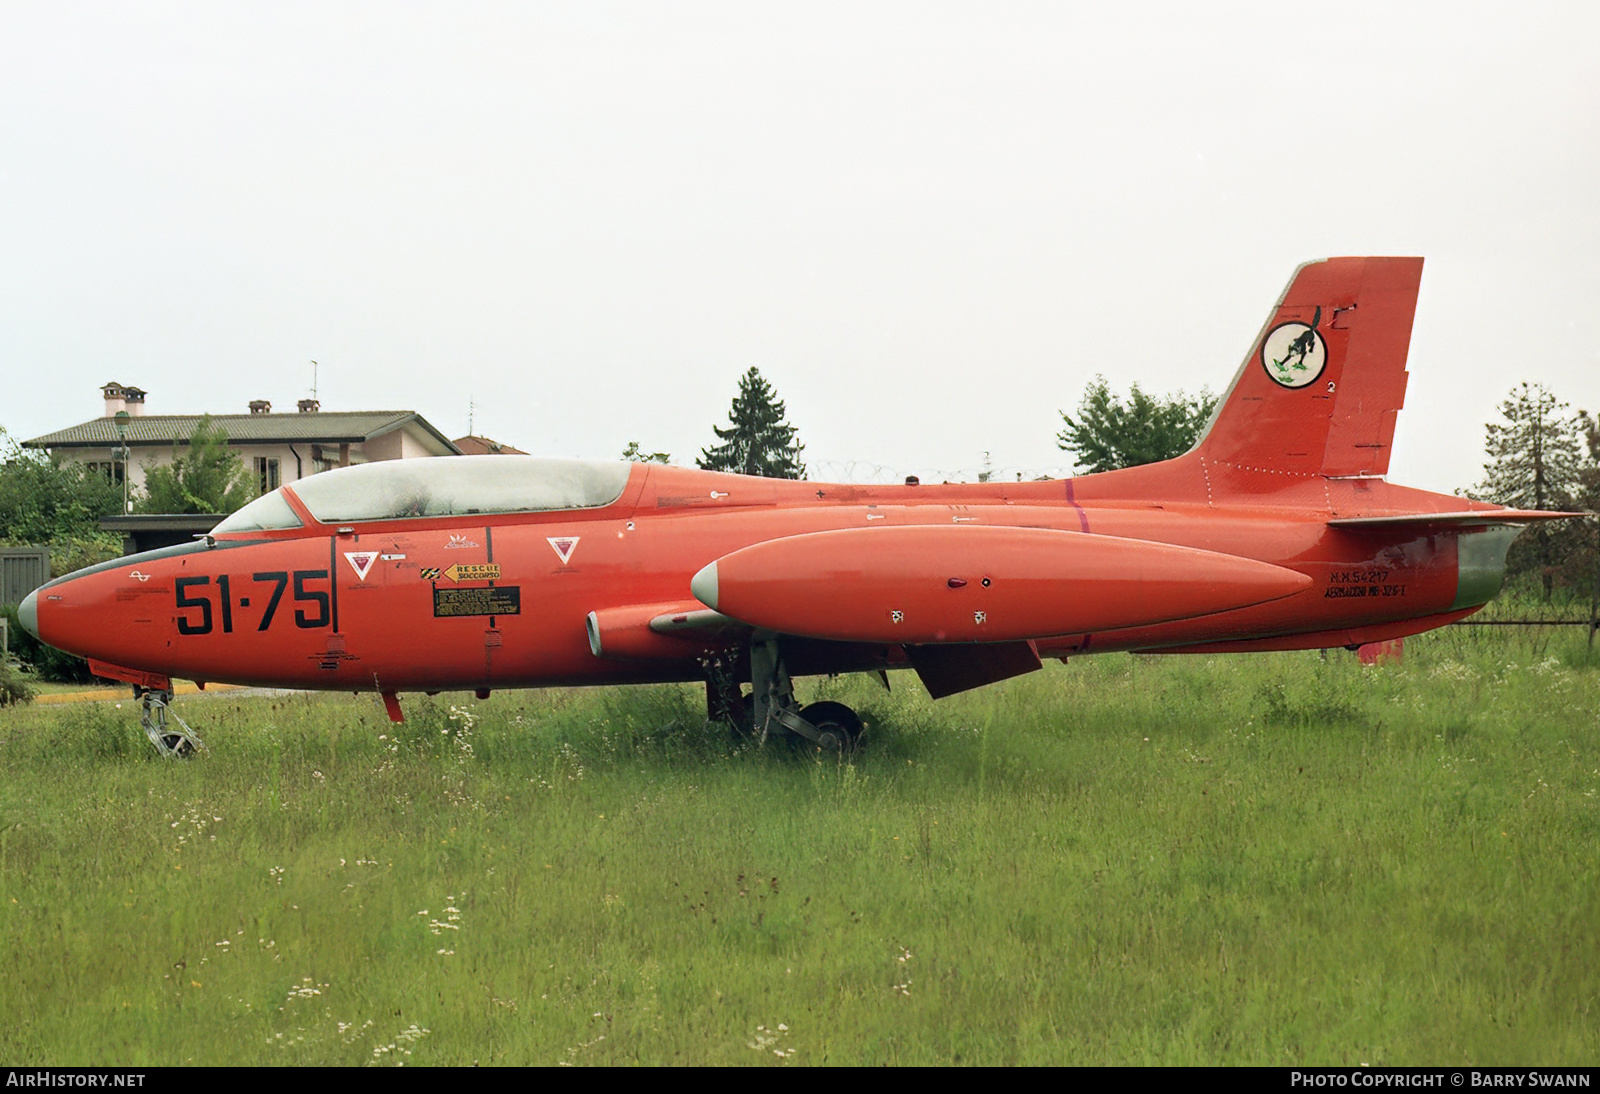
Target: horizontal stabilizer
pixel 1453 520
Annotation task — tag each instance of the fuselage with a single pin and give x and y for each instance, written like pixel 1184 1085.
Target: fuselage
pixel 401 594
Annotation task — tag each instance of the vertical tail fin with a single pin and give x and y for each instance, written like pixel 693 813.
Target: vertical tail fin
pixel 1325 378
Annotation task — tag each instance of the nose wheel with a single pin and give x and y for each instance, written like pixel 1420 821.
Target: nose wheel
pixel 169 733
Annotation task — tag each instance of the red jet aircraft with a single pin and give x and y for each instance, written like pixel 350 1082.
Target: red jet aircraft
pixel 1277 531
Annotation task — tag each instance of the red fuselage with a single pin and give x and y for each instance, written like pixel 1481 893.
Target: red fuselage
pixel 449 603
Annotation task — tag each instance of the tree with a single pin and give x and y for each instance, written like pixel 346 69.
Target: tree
pixel 58 503
pixel 1534 463
pixel 1533 454
pixel 1581 538
pixel 1107 435
pixel 757 441
pixel 634 454
pixel 208 478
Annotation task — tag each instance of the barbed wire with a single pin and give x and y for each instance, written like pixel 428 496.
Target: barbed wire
pixel 868 472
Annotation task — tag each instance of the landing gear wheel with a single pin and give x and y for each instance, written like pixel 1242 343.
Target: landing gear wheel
pixel 171 741
pixel 828 726
pixel 838 727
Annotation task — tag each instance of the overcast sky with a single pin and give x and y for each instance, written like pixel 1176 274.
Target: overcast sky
pixel 930 225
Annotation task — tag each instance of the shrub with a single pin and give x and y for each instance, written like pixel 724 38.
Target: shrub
pixel 13 688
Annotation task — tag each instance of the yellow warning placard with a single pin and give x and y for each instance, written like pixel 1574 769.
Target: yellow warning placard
pixel 468 571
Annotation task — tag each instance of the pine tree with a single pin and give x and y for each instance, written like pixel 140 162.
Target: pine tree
pixel 1579 541
pixel 1107 435
pixel 757 441
pixel 1534 463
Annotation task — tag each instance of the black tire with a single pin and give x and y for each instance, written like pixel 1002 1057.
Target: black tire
pixel 834 721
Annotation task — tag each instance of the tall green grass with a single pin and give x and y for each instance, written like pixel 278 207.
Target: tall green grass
pixel 1260 860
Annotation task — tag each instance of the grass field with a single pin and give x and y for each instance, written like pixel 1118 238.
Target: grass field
pixel 1252 860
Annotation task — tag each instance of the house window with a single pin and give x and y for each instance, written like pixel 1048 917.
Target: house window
pixel 111 469
pixel 266 474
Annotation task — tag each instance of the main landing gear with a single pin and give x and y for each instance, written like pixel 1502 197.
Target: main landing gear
pixel 157 717
pixel 771 706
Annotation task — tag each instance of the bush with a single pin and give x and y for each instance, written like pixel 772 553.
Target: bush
pixel 13 688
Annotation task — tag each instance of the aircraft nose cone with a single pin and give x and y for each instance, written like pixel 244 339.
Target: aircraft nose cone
pixel 704 586
pixel 28 613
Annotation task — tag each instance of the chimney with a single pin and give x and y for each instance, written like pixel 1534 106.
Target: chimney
pixel 309 406
pixel 260 406
pixel 119 398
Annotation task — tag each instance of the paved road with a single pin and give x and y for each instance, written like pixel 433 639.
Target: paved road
pixel 125 692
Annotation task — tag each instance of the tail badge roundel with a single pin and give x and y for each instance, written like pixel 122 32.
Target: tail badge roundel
pixel 1294 354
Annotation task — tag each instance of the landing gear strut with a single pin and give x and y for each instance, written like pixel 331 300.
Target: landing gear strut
pixel 154 712
pixel 830 726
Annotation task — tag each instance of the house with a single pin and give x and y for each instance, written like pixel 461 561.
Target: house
pixel 276 448
pixel 474 445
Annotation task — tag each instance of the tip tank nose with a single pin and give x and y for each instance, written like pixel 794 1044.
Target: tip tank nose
pixel 28 613
pixel 704 586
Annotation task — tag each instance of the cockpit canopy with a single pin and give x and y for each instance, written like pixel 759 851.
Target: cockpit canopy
pixel 446 486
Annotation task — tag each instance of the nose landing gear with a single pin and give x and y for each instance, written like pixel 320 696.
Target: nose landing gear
pixel 157 718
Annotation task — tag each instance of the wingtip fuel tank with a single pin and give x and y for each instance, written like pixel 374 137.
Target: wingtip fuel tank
pixel 966 583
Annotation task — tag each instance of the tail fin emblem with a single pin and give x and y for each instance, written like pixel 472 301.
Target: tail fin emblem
pixel 1294 354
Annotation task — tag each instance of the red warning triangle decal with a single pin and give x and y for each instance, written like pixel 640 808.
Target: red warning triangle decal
pixel 563 546
pixel 361 562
